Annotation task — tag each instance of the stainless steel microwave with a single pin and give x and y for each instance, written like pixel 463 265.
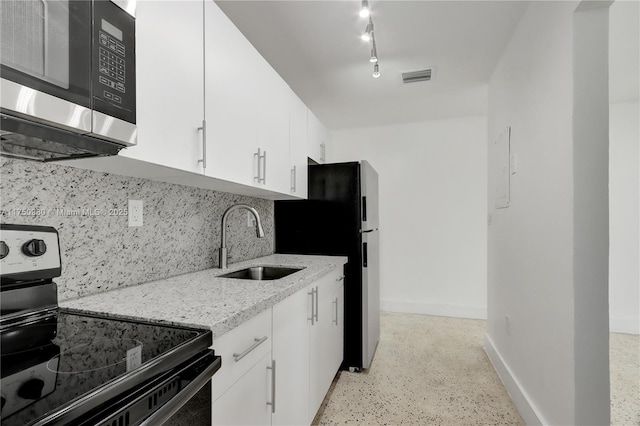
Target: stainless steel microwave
pixel 68 83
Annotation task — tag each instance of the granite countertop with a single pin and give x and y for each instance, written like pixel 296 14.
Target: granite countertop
pixel 202 299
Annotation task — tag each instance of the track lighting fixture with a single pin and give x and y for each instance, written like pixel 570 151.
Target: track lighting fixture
pixel 368 36
pixel 374 52
pixel 364 11
pixel 368 31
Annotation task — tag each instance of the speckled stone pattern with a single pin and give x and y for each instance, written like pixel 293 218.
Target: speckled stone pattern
pixel 624 367
pixel 204 300
pixel 427 370
pixel 100 252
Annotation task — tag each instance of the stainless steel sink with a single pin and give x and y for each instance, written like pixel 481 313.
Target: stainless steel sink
pixel 261 273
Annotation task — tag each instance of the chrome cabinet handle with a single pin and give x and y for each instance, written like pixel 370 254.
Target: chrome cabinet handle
pixel 256 156
pixel 317 303
pixel 264 168
pixel 257 342
pixel 203 160
pixel 273 386
pixel 293 179
pixel 336 302
pixel 312 293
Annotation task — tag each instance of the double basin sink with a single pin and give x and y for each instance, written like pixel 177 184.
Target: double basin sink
pixel 261 273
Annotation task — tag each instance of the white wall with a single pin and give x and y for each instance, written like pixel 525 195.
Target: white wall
pixel 624 156
pixel 432 212
pixel 624 190
pixel 547 252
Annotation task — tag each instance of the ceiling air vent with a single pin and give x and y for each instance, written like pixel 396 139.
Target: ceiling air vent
pixel 415 76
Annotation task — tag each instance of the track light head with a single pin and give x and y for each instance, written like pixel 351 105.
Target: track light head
pixel 374 57
pixel 368 32
pixel 364 11
pixel 376 71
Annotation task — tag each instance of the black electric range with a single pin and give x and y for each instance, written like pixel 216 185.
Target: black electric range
pixel 69 368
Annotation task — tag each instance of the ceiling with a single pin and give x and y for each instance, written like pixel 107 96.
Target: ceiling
pixel 315 46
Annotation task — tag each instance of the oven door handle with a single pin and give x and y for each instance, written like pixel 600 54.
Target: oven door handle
pixel 175 403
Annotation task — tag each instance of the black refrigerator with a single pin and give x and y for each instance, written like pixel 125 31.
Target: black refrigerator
pixel 340 217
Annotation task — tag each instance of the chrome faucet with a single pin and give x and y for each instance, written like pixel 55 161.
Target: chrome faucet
pixel 223 248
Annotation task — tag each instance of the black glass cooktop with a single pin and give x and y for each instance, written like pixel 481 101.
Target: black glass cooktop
pixel 49 364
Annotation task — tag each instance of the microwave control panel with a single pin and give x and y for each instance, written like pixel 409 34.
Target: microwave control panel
pixel 114 80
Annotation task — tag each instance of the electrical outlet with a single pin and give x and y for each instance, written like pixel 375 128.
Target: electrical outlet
pixel 251 220
pixel 507 324
pixel 135 213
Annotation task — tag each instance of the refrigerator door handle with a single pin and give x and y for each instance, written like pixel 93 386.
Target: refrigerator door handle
pixel 364 255
pixel 364 209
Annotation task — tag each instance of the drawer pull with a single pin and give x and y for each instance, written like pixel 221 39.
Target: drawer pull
pixel 257 342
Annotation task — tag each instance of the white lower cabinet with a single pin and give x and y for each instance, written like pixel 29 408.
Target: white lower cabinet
pixel 291 353
pixel 245 403
pixel 242 386
pixel 325 340
pixel 285 381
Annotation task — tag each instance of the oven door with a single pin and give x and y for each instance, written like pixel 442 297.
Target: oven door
pixel 45 59
pixel 163 400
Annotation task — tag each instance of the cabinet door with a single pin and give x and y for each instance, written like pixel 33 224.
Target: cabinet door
pixel 298 145
pixel 245 403
pixel 316 141
pixel 323 345
pixel 291 353
pixel 273 127
pixel 231 98
pixel 170 84
pixel 335 341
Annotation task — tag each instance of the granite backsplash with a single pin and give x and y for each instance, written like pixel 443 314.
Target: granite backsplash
pixel 181 231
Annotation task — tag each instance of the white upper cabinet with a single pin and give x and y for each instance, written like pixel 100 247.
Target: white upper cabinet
pixel 273 127
pixel 170 84
pixel 231 95
pixel 317 136
pixel 298 146
pixel 211 111
pixel 246 109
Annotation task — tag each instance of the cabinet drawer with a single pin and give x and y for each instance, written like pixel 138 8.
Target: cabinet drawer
pixel 240 349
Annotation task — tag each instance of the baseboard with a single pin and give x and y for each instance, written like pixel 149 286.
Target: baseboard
pixel 527 409
pixel 624 325
pixel 443 310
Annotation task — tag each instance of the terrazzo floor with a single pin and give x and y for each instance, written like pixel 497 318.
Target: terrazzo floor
pixel 431 370
pixel 427 370
pixel 624 369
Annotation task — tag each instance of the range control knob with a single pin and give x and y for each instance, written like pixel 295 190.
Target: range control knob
pixel 31 389
pixel 4 249
pixel 34 248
